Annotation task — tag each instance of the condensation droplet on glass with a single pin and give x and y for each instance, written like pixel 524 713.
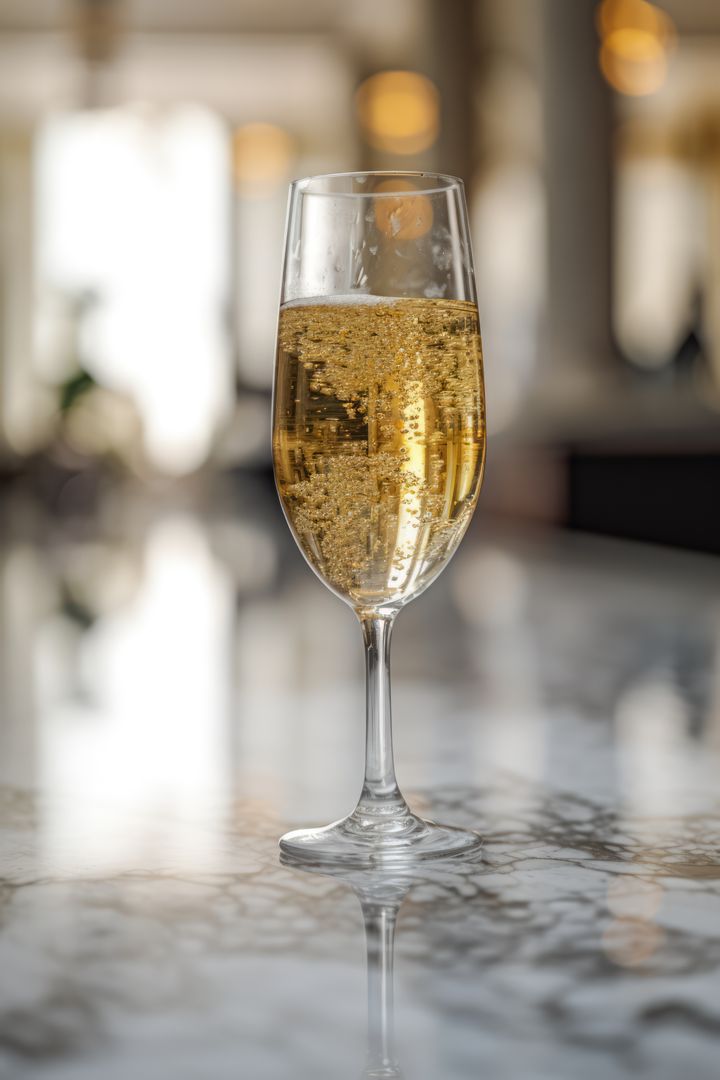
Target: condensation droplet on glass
pixel 442 256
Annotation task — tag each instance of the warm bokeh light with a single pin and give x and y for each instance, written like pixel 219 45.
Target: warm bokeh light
pixel 636 38
pixel 634 45
pixel 399 111
pixel 634 64
pixel 406 218
pixel 262 154
pixel 614 15
pixel 632 897
pixel 631 942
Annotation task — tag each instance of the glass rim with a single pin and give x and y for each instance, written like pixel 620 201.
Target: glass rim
pixel 444 182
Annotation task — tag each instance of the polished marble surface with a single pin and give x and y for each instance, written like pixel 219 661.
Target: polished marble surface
pixel 178 690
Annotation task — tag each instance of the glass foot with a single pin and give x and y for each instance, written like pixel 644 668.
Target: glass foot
pixel 369 840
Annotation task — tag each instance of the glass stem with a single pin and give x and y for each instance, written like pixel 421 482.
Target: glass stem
pixel 380 793
pixel 379 935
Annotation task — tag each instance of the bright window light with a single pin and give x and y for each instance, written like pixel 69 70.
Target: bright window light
pixel 134 211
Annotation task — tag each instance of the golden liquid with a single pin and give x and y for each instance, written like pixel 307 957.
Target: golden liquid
pixel 379 439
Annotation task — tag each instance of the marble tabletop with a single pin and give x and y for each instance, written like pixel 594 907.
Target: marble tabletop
pixel 176 695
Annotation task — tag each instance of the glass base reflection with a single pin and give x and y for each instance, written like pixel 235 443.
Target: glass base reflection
pixel 381 896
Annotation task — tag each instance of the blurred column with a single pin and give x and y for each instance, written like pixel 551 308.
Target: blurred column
pixel 712 314
pixel 578 146
pixel 97 26
pixel 450 44
pixel 24 410
pixel 24 599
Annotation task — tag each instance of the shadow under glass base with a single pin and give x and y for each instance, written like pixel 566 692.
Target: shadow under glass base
pixel 371 840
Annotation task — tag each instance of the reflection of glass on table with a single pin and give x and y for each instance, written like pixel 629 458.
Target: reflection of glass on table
pixel 380 897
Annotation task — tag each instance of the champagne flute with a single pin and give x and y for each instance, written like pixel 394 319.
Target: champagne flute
pixel 378 441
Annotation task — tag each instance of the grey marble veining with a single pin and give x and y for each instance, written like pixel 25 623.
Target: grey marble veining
pixel 560 696
pixel 578 941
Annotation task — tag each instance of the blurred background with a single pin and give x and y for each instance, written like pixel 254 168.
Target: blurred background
pixel 150 594
pixel 145 152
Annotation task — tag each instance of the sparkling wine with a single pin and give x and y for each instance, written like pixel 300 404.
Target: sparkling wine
pixel 379 438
